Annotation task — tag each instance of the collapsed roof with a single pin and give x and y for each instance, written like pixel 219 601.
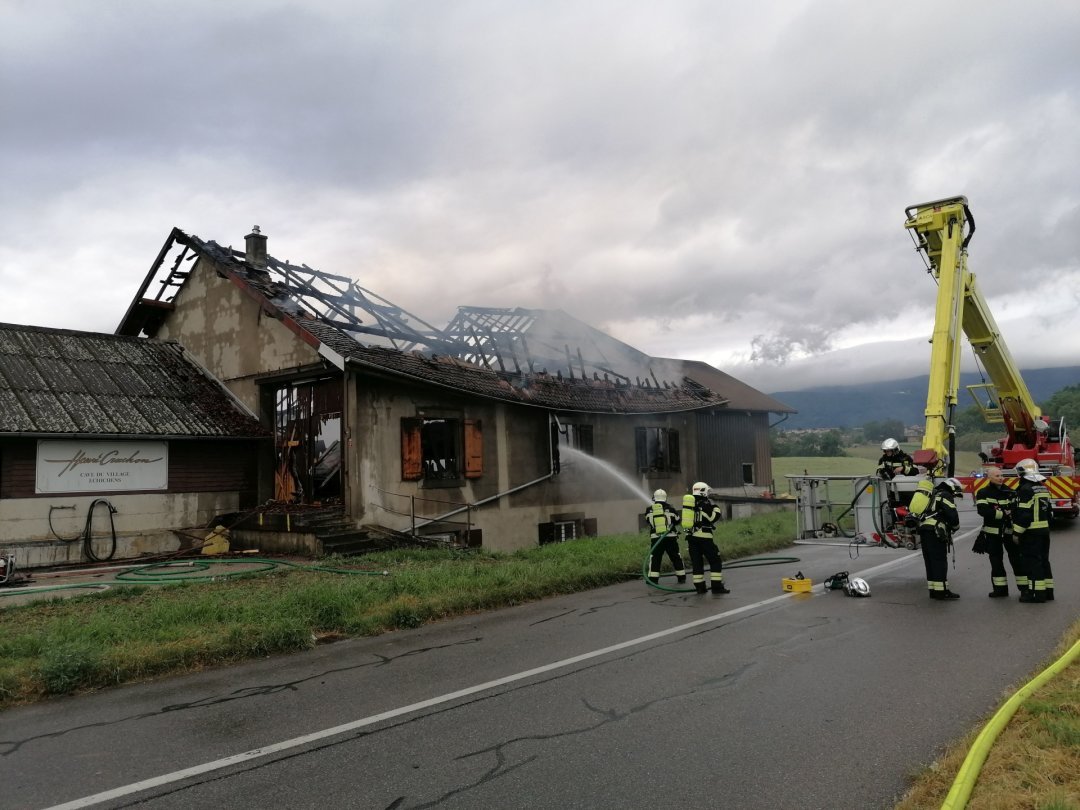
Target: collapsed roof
pixel 537 357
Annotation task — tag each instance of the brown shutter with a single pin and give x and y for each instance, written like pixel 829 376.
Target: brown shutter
pixel 546 533
pixel 589 527
pixel 474 449
pixel 412 468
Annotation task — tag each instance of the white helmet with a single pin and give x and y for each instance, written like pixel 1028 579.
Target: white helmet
pixel 954 485
pixel 857 586
pixel 701 489
pixel 1029 468
pixel 659 495
pixel 890 444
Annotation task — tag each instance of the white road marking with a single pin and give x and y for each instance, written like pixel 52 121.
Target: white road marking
pixel 315 736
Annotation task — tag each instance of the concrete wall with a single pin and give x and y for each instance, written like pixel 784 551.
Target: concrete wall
pixel 512 501
pixel 227 332
pixel 139 522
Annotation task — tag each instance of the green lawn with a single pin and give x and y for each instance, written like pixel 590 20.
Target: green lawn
pixel 860 460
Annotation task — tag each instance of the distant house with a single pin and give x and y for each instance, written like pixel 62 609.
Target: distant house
pixel 506 428
pixel 109 444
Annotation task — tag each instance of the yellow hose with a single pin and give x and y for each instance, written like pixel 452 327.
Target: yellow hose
pixel 969 770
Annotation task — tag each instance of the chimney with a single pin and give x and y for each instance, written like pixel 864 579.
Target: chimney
pixel 255 244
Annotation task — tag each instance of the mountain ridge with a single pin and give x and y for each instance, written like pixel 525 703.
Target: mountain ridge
pixel 850 406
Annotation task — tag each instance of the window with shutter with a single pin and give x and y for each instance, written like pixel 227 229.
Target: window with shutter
pixel 474 449
pixel 412 464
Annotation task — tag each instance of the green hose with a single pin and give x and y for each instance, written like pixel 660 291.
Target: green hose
pixel 749 562
pixel 173 571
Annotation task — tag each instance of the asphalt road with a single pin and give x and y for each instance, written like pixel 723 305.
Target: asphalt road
pixel 619 697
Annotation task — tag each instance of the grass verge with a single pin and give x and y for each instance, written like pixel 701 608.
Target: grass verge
pixel 1034 764
pixel 130 633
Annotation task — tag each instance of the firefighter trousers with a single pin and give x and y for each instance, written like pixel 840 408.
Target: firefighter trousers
pixel 670 546
pixel 1035 546
pixel 702 549
pixel 935 552
pixel 997 547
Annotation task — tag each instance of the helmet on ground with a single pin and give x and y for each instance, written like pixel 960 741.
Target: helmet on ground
pixel 659 495
pixel 700 488
pixel 857 586
pixel 890 444
pixel 1029 468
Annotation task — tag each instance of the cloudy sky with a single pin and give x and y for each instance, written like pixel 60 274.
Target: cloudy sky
pixel 707 180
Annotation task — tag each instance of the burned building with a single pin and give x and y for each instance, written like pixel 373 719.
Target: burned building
pixel 113 446
pixel 506 428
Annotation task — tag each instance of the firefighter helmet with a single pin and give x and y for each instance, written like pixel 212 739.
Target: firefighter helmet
pixel 701 488
pixel 857 586
pixel 659 495
pixel 1029 468
pixel 890 444
pixel 954 485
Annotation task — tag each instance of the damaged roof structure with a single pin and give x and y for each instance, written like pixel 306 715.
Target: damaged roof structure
pixel 543 358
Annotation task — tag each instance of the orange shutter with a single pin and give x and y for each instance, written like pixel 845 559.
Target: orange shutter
pixel 474 449
pixel 412 468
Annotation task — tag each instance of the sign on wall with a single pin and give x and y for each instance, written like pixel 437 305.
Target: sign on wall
pixel 101 466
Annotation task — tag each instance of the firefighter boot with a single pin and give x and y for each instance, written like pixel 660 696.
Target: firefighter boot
pixel 681 579
pixel 700 587
pixel 999 591
pixel 1032 596
pixel 1049 594
pixel 718 587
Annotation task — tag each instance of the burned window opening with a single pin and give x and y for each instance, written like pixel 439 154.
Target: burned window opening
pixel 307 440
pixel 441 450
pixel 657 450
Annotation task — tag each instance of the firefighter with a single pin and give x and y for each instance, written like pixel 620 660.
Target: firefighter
pixel 699 517
pixel 1031 526
pixel 994 504
pixel 663 523
pixel 935 509
pixel 894 461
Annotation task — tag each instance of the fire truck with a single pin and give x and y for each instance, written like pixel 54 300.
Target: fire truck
pixel 942 230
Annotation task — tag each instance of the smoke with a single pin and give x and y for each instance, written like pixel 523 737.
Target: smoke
pixel 780 347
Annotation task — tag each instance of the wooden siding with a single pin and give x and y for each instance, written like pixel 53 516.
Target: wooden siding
pixel 194 466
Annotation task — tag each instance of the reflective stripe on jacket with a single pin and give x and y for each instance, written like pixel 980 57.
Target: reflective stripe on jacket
pixel 1032 509
pixel 992 502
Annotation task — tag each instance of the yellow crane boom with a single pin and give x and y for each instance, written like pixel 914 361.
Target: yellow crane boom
pixel 942 230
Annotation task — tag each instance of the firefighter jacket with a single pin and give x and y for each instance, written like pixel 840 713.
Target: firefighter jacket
pixel 898 463
pixel 1032 509
pixel 993 503
pixel 662 519
pixel 941 510
pixel 706 516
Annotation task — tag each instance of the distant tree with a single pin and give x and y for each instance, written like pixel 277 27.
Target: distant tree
pixel 1065 403
pixel 885 429
pixel 971 420
pixel 831 444
pixel 827 444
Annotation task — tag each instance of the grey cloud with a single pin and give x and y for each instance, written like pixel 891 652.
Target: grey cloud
pixel 726 181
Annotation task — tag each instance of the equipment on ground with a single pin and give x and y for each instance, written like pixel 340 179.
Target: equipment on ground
pixel 857 586
pixel 942 230
pixel 7 568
